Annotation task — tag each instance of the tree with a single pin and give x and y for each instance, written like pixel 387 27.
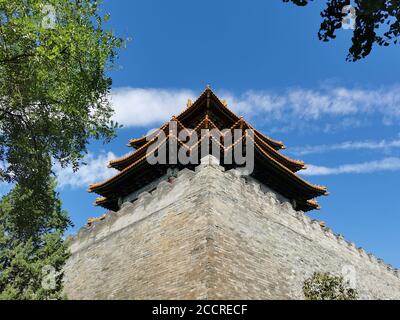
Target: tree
pixel 324 286
pixel 54 98
pixel 32 250
pixel 54 92
pixel 377 22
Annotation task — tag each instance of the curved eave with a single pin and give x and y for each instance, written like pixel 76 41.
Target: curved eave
pixel 122 163
pixel 313 190
pixel 307 205
pixel 110 204
pixel 97 187
pixel 102 186
pixel 139 142
pixel 293 165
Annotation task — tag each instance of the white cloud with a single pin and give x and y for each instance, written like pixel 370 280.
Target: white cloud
pixel 348 145
pixel 387 164
pixel 144 107
pixel 94 171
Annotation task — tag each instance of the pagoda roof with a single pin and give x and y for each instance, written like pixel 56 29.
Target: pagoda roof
pixel 206 123
pixel 212 101
pixel 271 167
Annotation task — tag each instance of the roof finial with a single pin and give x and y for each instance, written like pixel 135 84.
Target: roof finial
pixel 208 87
pixel 189 103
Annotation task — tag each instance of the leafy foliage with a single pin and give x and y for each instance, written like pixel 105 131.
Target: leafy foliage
pixel 53 85
pixel 54 97
pixel 324 286
pixel 377 22
pixel 31 243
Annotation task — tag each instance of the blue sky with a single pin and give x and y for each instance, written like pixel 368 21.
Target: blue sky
pixel 264 58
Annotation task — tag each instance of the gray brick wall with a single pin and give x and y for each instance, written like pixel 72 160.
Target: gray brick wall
pixel 213 235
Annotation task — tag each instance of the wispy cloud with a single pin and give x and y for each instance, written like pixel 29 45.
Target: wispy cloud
pixel 295 106
pixel 348 145
pixel 95 170
pixel 387 164
pixel 144 107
